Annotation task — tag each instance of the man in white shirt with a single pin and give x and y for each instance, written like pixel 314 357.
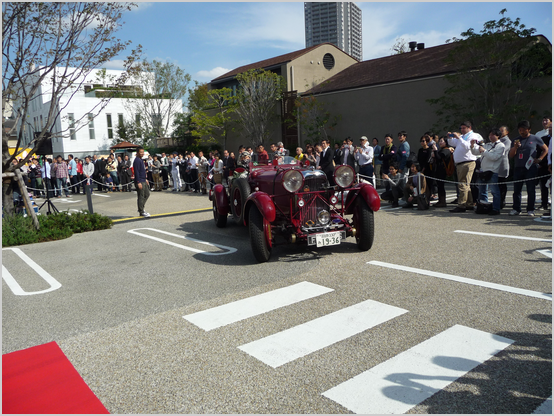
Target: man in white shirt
pixel 175 172
pixel 465 163
pixel 192 165
pixel 364 156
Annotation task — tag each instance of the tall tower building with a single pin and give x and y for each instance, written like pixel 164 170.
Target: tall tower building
pixel 336 23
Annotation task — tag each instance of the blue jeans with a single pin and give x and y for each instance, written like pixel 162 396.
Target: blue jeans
pixel 527 175
pixel 495 191
pixel 62 183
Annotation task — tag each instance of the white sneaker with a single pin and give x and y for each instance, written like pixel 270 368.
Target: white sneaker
pixel 145 214
pixel 514 212
pixel 531 213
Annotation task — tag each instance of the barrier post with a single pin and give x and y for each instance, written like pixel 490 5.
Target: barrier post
pixel 88 190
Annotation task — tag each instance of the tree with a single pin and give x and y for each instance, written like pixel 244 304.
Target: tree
pixel 215 121
pixel 48 50
pixel 183 128
pixel 314 118
pixel 500 76
pixel 258 93
pixel 164 85
pixel 399 46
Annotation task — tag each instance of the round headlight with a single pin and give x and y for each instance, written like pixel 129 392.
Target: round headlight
pixel 293 180
pixel 324 217
pixel 344 176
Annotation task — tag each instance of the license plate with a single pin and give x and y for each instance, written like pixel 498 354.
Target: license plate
pixel 328 239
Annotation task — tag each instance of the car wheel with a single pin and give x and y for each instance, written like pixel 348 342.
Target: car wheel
pixel 260 235
pixel 363 222
pixel 239 192
pixel 220 220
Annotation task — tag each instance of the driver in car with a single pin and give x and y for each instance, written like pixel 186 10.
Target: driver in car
pixel 244 162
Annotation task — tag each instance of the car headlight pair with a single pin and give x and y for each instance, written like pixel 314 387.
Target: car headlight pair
pixel 344 176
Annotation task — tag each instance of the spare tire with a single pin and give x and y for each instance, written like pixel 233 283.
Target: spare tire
pixel 240 190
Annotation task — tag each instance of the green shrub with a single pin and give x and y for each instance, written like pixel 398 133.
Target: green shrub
pixel 17 230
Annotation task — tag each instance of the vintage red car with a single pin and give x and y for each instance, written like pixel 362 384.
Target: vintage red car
pixel 286 201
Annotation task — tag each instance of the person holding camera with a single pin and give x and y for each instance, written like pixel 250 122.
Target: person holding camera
pixel 492 154
pixel 465 164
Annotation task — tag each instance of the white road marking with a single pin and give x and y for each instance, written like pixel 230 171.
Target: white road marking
pixel 402 382
pixel 16 288
pixel 255 305
pixel 67 201
pixel 547 253
pixel 390 209
pixel 466 280
pixel 545 408
pixel 286 346
pixel 505 236
pixel 184 237
pixel 103 196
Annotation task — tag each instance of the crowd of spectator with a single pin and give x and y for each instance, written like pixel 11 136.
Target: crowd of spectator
pixel 406 177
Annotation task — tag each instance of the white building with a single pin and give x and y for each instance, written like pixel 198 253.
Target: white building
pixel 83 126
pixel 337 23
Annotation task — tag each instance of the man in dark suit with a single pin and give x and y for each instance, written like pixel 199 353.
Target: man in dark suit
pixel 326 161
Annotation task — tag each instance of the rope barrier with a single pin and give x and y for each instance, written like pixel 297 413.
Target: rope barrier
pixel 467 183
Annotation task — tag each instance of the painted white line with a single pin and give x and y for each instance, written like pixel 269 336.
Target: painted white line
pixel 103 196
pixel 547 253
pixel 466 280
pixel 255 305
pixel 390 209
pixel 505 236
pixel 398 384
pixel 184 237
pixel 545 408
pixel 286 346
pixel 16 288
pixel 68 201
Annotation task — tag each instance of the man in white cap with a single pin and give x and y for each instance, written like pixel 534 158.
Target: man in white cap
pixel 364 156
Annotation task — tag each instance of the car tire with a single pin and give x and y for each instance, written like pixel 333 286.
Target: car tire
pixel 220 220
pixel 240 190
pixel 258 227
pixel 363 222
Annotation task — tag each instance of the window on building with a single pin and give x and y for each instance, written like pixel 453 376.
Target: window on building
pixel 110 126
pixel 91 126
pixel 137 119
pixel 71 120
pixel 328 61
pixel 120 119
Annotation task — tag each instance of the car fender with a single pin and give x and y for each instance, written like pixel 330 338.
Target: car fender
pixel 221 199
pixel 264 203
pixel 368 193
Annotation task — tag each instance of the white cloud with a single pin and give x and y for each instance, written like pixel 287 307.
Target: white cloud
pixel 275 25
pixel 115 64
pixel 142 5
pixel 212 73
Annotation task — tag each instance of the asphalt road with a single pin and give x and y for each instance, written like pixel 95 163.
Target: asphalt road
pixel 118 315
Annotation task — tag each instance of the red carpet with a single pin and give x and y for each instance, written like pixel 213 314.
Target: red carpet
pixel 42 380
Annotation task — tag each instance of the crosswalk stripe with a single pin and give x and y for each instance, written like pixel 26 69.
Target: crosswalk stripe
pixel 255 305
pixel 482 283
pixel 286 346
pixel 402 382
pixel 517 237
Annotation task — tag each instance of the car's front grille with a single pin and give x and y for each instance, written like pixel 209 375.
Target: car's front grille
pixel 314 204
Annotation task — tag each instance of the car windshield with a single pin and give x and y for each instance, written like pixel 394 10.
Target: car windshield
pixel 281 160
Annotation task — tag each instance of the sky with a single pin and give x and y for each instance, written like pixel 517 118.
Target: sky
pixel 208 39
